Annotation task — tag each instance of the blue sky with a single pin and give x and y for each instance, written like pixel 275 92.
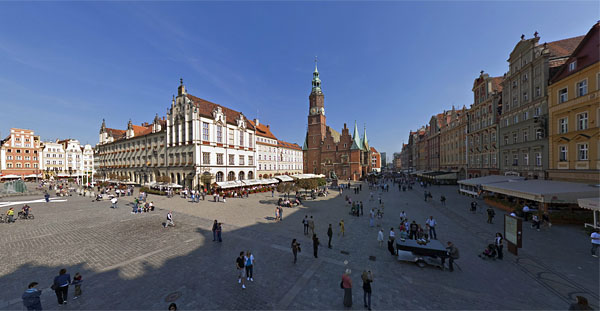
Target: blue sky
pixel 64 66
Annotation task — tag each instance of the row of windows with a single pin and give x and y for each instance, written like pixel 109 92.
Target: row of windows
pixel 281 167
pixel 581 89
pixel 582 152
pixel 231 135
pixel 582 123
pixel 525 159
pixel 520 117
pixel 206 159
pixel 26 158
pixel 21 165
pixel 19 151
pixel 539 134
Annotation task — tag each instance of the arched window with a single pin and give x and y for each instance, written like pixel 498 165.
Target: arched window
pixel 219 176
pixel 250 175
pixel 241 176
pixel 231 176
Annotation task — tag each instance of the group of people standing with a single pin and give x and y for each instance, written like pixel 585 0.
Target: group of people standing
pixel 60 285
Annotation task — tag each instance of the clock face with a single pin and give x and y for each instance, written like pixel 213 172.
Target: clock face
pixel 313 110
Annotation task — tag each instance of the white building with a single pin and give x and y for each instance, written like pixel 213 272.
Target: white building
pixel 204 138
pixel 290 160
pixel 197 138
pixel 53 159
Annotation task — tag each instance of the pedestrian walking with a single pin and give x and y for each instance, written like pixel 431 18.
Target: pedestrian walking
pixel 595 236
pixel 219 231
pixel 249 262
pixel 391 248
pixel 372 218
pixel 311 225
pixel 362 212
pixel 239 265
pixel 61 286
pixel 77 280
pixel 11 215
pixel 113 201
pixel 342 228
pixel 367 278
pixel 215 226
pixel 169 221
pixel 280 213
pixel 473 207
pixel 490 215
pixel 380 237
pixel 499 244
pixel 295 249
pixel 31 297
pixel 392 234
pixel 413 228
pixel 305 224
pixel 347 286
pixel 315 245
pixel 329 235
pixel 452 254
pixel 47 198
pixel 431 223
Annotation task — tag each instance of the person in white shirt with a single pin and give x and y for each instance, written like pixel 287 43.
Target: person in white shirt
pixel 402 216
pixel 392 234
pixel 169 221
pixel 380 237
pixel 114 202
pixel 431 222
pixel 595 241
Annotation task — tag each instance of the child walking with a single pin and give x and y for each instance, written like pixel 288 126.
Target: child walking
pixel 77 280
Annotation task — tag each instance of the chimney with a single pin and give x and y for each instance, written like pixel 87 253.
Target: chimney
pixel 256 122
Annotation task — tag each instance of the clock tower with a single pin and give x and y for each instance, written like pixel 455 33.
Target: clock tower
pixel 316 125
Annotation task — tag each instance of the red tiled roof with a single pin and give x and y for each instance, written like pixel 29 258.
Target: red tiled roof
pixel 497 83
pixel 288 145
pixel 564 47
pixel 114 133
pixel 141 130
pixel 262 130
pixel 373 150
pixel 205 108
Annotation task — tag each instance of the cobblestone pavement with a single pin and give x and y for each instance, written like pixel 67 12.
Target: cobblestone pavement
pixel 131 262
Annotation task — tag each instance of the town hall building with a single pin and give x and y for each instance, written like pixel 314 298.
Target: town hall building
pixel 328 152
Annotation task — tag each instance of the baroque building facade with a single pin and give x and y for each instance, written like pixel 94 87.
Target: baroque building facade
pixel 452 142
pixel 523 126
pixel 20 153
pixel 197 138
pixel 328 152
pixel 574 114
pixel 482 135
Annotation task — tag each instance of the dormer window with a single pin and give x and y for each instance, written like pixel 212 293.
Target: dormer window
pixel 573 65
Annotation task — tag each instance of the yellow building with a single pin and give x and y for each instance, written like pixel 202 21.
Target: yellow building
pixel 574 114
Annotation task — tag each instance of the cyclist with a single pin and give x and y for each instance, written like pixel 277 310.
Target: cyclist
pixel 25 210
pixel 11 215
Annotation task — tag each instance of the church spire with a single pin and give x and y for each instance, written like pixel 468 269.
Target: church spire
pixel 365 141
pixel 316 81
pixel 356 142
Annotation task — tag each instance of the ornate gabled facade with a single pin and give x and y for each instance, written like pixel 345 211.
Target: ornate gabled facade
pixel 328 152
pixel 197 138
pixel 523 126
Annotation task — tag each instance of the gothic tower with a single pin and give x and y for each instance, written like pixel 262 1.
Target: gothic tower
pixel 316 126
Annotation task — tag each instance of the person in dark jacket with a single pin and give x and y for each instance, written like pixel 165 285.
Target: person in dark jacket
pixel 61 286
pixel 315 245
pixel 214 230
pixel 31 297
pixel 453 254
pixel 367 278
pixel 329 234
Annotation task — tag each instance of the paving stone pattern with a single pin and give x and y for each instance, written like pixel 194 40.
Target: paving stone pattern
pixel 130 262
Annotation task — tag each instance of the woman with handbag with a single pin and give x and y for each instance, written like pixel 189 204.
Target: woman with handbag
pixel 61 286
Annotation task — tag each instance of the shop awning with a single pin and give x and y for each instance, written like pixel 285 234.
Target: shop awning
pixel 307 176
pixel 10 177
pixel 589 203
pixel 447 176
pixel 544 191
pixel 480 181
pixel 230 184
pixel 269 181
pixel 32 176
pixel 251 182
pixel 284 178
